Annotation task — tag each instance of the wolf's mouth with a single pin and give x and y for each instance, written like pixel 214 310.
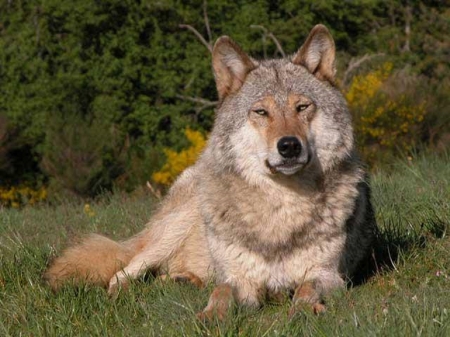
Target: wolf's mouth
pixel 287 168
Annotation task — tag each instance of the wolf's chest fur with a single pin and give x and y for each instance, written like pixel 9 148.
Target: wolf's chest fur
pixel 277 233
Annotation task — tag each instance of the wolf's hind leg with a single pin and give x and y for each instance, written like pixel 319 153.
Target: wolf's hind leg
pixel 184 277
pixel 188 277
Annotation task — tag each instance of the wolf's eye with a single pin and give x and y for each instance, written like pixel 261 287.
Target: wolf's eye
pixel 302 107
pixel 261 112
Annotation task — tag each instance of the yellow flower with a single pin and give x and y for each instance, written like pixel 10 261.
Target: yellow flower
pixel 364 88
pixel 384 119
pixel 177 162
pixel 21 195
pixel 88 210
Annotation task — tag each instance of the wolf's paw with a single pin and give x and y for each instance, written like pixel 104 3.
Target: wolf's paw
pixel 116 286
pixel 210 315
pixel 317 308
pixel 220 302
pixel 307 296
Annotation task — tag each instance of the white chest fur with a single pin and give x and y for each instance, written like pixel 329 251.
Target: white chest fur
pixel 285 237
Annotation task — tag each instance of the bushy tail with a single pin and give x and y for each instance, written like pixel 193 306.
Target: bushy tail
pixel 93 261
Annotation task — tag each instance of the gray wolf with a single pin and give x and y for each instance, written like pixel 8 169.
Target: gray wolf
pixel 278 201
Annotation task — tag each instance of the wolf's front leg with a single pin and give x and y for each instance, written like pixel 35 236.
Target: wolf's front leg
pixel 309 294
pixel 120 279
pixel 223 298
pixel 149 258
pixel 220 302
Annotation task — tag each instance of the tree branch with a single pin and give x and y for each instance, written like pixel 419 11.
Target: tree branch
pixel 356 63
pixel 154 191
pixel 203 103
pixel 408 18
pixel 199 36
pixel 272 37
pixel 197 100
pixel 277 43
pixel 205 15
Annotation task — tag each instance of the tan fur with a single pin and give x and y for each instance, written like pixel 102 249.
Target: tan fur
pixel 258 220
pixel 100 261
pixel 77 262
pixel 283 120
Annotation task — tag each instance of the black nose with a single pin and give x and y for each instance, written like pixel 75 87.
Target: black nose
pixel 289 147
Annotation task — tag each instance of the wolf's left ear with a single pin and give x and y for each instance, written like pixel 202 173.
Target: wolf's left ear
pixel 231 65
pixel 318 54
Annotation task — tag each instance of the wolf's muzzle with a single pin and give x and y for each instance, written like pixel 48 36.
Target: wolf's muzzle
pixel 289 147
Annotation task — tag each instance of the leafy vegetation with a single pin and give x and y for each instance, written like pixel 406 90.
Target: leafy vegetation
pixel 406 295
pixel 178 161
pixel 17 196
pixel 388 114
pixel 93 93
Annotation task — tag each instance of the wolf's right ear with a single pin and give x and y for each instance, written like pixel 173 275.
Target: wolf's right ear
pixel 231 65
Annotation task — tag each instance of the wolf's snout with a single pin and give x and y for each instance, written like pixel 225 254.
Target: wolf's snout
pixel 289 147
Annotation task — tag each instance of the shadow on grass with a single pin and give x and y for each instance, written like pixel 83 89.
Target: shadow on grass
pixel 391 242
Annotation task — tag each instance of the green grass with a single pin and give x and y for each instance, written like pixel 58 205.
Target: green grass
pixel 408 295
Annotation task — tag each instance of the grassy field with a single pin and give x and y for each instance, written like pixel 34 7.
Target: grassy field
pixel 408 295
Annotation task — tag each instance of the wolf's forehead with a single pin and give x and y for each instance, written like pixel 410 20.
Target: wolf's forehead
pixel 278 79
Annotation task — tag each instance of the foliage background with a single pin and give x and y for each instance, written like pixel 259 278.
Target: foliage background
pixel 95 94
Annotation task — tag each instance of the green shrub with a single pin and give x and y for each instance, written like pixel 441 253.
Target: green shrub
pixel 81 156
pixel 123 66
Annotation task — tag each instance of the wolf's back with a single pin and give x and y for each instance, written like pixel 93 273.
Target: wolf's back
pixel 94 261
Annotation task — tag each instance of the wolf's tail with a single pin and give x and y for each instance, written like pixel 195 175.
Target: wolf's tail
pixel 93 261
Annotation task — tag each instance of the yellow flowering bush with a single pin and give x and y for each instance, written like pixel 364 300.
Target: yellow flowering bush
pixel 364 87
pixel 17 196
pixel 178 161
pixel 387 114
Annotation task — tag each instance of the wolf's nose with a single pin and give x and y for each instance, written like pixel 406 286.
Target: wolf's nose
pixel 289 147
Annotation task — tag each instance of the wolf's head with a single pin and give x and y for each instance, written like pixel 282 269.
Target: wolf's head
pixel 276 117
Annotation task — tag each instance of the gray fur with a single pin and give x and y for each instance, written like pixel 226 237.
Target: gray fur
pixel 245 215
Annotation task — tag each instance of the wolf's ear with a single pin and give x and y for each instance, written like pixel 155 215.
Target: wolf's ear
pixel 318 54
pixel 231 65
